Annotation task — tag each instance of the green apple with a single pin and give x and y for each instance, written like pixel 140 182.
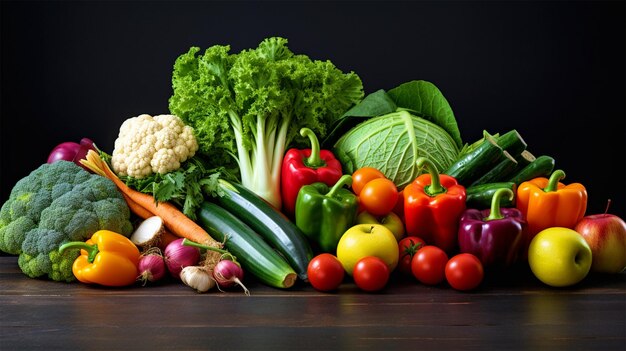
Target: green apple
pixel 362 240
pixel 559 256
pixel 391 220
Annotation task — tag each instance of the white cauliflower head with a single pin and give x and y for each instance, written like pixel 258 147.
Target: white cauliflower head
pixel 147 145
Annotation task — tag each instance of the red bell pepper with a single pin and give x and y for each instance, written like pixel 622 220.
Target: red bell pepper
pixel 304 167
pixel 433 205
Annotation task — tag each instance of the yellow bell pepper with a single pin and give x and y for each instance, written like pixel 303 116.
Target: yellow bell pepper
pixel 549 203
pixel 107 258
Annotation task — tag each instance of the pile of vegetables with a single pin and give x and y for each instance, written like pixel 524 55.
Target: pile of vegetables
pixel 274 165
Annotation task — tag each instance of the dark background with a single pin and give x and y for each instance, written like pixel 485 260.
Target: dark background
pixel 552 70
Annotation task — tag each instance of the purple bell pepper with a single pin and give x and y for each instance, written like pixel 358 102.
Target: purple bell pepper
pixel 493 235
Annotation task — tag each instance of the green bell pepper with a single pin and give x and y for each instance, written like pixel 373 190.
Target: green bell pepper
pixel 324 214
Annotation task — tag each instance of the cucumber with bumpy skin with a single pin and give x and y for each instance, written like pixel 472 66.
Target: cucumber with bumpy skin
pixel 479 196
pixel 511 142
pixel 254 254
pixel 542 166
pixel 502 170
pixel 471 166
pixel 271 224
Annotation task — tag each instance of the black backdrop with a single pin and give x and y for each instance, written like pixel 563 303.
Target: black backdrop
pixel 552 70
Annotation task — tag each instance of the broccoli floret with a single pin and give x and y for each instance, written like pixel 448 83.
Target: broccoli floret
pixel 13 234
pixel 57 203
pixel 40 255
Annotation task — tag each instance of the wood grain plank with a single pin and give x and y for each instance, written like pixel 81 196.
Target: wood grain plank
pixel 505 313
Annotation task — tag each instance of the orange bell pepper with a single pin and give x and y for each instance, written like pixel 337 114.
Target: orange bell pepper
pixel 107 258
pixel 549 203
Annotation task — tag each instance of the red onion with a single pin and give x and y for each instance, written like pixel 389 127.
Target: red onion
pixel 228 273
pixel 64 151
pixel 179 256
pixel 151 267
pixel 85 145
pixel 71 151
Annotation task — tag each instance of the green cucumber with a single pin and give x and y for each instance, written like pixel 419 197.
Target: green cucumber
pixel 252 252
pixel 542 166
pixel 479 196
pixel 471 166
pixel 502 170
pixel 524 159
pixel 511 142
pixel 271 224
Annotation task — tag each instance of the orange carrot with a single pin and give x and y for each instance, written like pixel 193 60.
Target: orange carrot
pixel 136 209
pixel 179 224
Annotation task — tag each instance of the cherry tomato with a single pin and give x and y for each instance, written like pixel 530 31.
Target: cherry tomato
pixel 379 196
pixel 362 176
pixel 429 265
pixel 408 248
pixel 371 273
pixel 464 272
pixel 325 272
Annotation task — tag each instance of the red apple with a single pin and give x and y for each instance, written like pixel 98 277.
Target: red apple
pixel 606 235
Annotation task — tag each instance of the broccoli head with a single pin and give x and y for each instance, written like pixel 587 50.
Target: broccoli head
pixel 54 204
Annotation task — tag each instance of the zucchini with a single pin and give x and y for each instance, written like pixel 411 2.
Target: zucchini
pixel 542 166
pixel 271 224
pixel 471 166
pixel 502 170
pixel 479 196
pixel 254 254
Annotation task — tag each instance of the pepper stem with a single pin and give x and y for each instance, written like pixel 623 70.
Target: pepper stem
pixel 314 160
pixel 345 179
pixel 495 212
pixel 92 250
pixel 187 242
pixel 435 187
pixel 553 182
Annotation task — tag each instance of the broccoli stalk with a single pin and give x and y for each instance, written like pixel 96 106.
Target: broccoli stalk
pixel 247 108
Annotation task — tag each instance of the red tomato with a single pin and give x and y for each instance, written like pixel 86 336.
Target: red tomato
pixel 408 248
pixel 325 272
pixel 379 196
pixel 362 176
pixel 429 265
pixel 371 273
pixel 464 272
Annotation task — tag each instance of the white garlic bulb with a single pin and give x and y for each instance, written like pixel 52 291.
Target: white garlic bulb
pixel 197 278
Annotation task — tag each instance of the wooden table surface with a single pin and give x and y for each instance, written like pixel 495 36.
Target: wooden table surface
pixel 512 311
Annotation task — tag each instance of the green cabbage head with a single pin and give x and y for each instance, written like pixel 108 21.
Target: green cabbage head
pixel 392 143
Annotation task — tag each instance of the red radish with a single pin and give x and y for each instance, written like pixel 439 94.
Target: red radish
pixel 151 266
pixel 228 273
pixel 179 256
